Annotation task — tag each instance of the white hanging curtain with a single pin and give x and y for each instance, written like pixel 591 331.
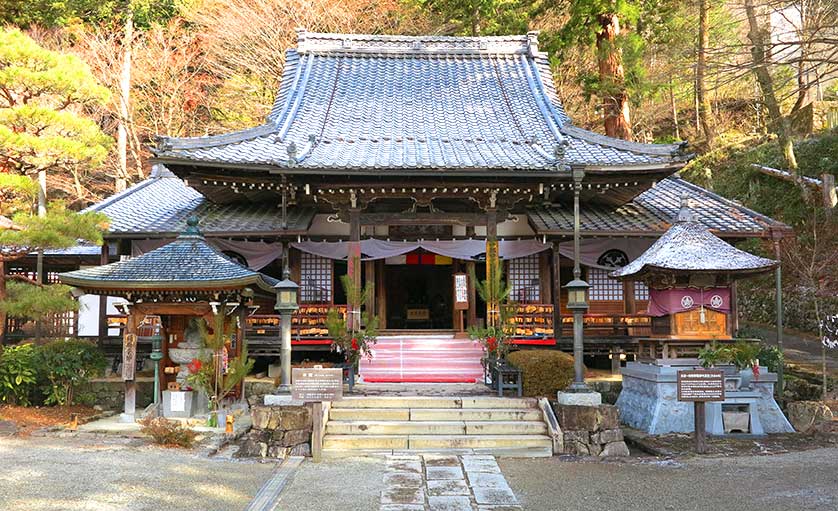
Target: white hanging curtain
pixel 590 250
pixel 373 249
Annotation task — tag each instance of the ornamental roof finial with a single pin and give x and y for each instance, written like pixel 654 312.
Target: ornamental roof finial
pixel 685 214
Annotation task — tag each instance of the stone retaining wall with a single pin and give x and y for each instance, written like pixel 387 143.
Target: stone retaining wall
pixel 278 431
pixel 591 430
pixel 110 393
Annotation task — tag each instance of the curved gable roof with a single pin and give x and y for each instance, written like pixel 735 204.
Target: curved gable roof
pixel 366 102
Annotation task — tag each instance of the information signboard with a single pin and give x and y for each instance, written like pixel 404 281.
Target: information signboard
pixel 460 291
pixel 129 357
pixel 701 385
pixel 316 384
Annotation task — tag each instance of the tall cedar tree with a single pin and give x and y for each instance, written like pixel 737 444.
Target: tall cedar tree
pixel 40 94
pixel 599 22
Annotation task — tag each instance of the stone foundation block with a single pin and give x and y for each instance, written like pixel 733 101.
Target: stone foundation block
pixel 607 436
pixel 808 416
pixel 615 449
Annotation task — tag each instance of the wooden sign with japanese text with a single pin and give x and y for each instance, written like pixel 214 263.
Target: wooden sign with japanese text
pixel 460 291
pixel 701 385
pixel 316 384
pixel 129 356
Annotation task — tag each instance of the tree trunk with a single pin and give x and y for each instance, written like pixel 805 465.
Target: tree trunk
pixel 780 123
pixel 674 111
pixel 612 78
pixel 124 97
pixel 704 108
pixel 2 298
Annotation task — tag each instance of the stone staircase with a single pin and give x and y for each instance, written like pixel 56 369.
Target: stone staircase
pixel 483 425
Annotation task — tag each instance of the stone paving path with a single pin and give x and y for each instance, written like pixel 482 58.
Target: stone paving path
pixel 445 483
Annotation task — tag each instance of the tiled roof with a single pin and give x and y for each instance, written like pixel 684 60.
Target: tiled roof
pixel 378 103
pixel 161 205
pixel 689 246
pixel 188 262
pixel 652 211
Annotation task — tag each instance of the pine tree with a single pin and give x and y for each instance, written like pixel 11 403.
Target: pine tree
pixel 43 95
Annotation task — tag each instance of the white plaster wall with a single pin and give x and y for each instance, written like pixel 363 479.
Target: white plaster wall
pixel 320 226
pixel 89 315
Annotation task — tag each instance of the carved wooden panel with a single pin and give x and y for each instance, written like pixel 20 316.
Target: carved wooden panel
pixel 688 324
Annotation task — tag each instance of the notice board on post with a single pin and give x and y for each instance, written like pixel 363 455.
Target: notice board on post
pixel 700 385
pixel 460 291
pixel 316 384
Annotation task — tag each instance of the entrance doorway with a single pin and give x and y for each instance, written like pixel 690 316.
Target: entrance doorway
pixel 419 292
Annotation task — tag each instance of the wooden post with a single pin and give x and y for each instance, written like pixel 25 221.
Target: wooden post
pixel 628 297
pixel 557 293
pixel 700 428
pixel 778 284
pixel 129 361
pixel 103 300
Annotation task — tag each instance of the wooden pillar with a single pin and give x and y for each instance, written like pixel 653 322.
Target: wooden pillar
pixel 734 310
pixel 557 292
pixel 380 294
pixel 103 300
pixel 545 283
pixel 354 261
pixel 492 261
pixel 628 297
pixel 778 283
pixel 471 314
pixel 369 278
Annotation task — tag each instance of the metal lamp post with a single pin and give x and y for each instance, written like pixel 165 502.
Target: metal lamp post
pixel 156 356
pixel 286 303
pixel 577 293
pixel 577 301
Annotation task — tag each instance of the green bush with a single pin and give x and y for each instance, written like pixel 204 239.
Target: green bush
pixel 18 376
pixel 65 365
pixel 545 372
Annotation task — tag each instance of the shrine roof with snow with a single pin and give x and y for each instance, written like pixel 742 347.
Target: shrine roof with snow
pixel 436 105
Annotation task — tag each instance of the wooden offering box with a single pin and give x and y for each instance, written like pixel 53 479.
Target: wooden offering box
pixel 688 325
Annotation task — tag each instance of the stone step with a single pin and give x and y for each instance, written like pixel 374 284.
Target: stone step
pixel 369 414
pixel 334 427
pixel 478 441
pixel 477 402
pixel 512 452
pixel 475 414
pixel 435 442
pixel 395 428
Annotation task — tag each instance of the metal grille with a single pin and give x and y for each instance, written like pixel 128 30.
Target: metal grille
pixel 603 287
pixel 316 279
pixel 524 279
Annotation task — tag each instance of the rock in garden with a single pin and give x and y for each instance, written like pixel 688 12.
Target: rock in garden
pixel 607 436
pixel 615 449
pixel 300 450
pixel 808 416
pixel 7 428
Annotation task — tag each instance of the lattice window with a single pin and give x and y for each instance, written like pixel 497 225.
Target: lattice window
pixel 524 279
pixel 641 291
pixel 604 288
pixel 316 279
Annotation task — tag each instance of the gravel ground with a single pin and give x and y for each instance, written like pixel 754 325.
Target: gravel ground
pixel 796 481
pixel 335 485
pixel 40 474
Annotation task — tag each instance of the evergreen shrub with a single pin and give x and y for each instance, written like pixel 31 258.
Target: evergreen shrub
pixel 18 374
pixel 545 372
pixel 65 365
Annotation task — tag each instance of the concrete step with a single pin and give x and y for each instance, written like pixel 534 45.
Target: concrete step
pixel 383 427
pixel 476 402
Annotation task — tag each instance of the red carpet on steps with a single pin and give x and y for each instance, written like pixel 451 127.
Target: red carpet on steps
pixel 423 359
